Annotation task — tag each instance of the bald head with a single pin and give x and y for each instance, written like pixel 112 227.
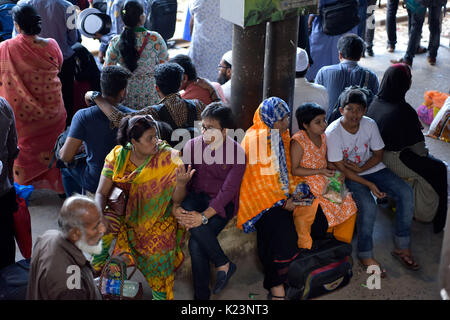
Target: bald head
pixel 74 212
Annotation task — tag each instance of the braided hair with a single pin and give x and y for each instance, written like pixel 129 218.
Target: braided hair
pixel 131 15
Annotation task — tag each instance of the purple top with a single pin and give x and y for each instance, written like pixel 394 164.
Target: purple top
pixel 218 172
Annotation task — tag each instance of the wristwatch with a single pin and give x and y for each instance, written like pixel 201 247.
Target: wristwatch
pixel 204 218
pixel 94 96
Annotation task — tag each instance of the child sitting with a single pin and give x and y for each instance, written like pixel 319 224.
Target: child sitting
pixel 309 159
pixel 355 147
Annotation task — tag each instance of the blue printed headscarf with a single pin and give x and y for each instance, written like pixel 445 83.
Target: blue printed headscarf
pixel 274 109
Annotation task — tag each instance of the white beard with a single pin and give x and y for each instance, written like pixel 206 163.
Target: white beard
pixel 83 246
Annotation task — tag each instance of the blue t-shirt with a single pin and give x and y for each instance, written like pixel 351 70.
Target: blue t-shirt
pixel 92 127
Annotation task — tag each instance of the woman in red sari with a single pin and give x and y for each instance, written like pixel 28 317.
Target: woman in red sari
pixel 29 67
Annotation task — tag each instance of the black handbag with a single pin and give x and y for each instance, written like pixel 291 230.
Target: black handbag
pixel 339 17
pixel 323 269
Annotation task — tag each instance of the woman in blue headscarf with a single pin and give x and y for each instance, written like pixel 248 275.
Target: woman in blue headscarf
pixel 265 204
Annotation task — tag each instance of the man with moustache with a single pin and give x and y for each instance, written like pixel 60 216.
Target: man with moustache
pixel 224 75
pixel 59 269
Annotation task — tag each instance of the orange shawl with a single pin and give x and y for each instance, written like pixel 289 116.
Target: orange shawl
pixel 261 188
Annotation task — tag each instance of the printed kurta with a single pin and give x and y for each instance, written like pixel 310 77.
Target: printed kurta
pixel 141 91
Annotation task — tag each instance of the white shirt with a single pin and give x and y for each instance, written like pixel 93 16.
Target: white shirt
pixel 304 92
pixel 226 88
pixel 357 147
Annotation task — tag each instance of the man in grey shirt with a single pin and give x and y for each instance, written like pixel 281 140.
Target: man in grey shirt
pixel 8 152
pixel 58 23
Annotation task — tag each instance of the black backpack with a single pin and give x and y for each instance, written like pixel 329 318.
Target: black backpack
pixel 363 86
pixel 6 19
pixel 79 158
pixel 164 116
pixel 339 17
pixel 323 269
pixel 162 17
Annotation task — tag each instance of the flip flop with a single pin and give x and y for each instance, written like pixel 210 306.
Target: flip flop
pixel 383 273
pixel 404 258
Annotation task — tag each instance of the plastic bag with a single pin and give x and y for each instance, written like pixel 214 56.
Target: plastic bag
pixel 426 114
pixel 440 127
pixel 23 191
pixel 22 228
pixel 335 190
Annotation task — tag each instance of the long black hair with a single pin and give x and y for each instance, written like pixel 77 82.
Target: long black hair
pixel 131 15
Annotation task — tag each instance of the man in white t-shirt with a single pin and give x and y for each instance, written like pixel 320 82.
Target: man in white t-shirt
pixel 355 147
pixel 305 91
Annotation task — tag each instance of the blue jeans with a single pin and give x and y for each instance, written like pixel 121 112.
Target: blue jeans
pixel 203 244
pixel 415 32
pixel 72 179
pixel 395 188
pixel 362 13
pixel 391 22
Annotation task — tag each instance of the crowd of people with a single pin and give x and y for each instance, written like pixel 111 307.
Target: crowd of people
pixel 130 134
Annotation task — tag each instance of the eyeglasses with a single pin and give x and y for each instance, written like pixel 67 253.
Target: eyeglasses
pixel 221 66
pixel 209 128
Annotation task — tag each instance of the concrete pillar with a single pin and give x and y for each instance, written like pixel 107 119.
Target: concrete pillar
pixel 248 72
pixel 279 66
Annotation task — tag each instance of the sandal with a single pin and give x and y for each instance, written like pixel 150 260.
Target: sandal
pixel 383 271
pixel 406 260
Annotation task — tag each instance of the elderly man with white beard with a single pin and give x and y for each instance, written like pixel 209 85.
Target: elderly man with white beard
pixel 59 267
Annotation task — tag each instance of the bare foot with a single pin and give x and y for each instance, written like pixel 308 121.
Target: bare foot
pixel 225 267
pixel 276 293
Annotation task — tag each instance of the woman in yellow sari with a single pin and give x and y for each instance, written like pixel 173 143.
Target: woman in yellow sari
pixel 153 176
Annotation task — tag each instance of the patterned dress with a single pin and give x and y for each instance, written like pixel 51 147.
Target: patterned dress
pixel 341 216
pixel 211 37
pixel 141 90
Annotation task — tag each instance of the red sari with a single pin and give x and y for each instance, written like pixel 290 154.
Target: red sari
pixel 29 82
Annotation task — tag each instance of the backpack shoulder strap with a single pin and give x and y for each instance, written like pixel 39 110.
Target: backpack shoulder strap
pixel 144 43
pixel 366 82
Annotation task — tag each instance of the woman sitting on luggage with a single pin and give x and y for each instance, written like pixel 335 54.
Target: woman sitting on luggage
pixel 309 159
pixel 265 204
pixel 139 50
pixel 405 152
pixel 154 178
